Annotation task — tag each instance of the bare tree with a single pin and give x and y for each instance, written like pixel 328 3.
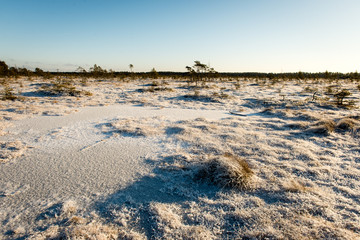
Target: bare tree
pixel 199 72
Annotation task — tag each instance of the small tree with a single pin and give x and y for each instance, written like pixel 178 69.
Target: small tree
pixel 4 69
pixel 39 72
pixel 300 75
pixel 80 70
pixel 13 72
pixel 341 95
pixel 200 72
pixel 24 72
pixel 8 94
pixel 97 71
pixel 153 74
pixel 131 67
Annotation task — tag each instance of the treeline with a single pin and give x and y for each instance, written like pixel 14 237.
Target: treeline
pixel 196 73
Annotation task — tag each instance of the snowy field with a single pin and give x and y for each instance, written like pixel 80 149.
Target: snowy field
pixel 159 159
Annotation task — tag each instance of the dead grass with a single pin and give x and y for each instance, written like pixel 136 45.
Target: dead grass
pixel 156 89
pixel 278 159
pixel 8 94
pixel 63 87
pixel 81 227
pixel 69 207
pixel 296 125
pixel 324 127
pixel 170 224
pixel 295 186
pixel 90 230
pixel 347 124
pixel 143 127
pixel 11 150
pixel 3 126
pixel 228 171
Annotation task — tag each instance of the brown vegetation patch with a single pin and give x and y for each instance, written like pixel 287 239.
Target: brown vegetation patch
pixel 295 186
pixel 347 124
pixel 63 87
pixel 324 127
pixel 8 94
pixel 143 127
pixel 228 171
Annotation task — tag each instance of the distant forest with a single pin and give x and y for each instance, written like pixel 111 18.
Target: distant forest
pixel 198 70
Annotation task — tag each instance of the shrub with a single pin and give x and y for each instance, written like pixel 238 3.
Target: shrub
pixel 8 94
pixel 341 95
pixel 228 171
pixel 63 87
pixel 155 84
pixel 329 89
pixel 237 86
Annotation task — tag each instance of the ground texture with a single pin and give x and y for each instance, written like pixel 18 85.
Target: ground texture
pixel 242 158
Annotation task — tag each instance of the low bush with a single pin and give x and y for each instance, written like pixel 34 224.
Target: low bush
pixel 341 95
pixel 63 87
pixel 8 94
pixel 228 171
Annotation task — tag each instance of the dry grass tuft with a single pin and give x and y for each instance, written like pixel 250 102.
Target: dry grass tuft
pixel 69 207
pixel 63 87
pixel 78 227
pixel 296 125
pixel 3 126
pixel 11 150
pixel 347 124
pixel 228 171
pixel 295 186
pixel 324 127
pixel 93 230
pixel 8 94
pixel 77 220
pixel 143 127
pixel 170 224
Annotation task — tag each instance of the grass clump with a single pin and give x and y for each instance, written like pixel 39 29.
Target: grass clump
pixel 296 187
pixel 63 87
pixel 11 150
pixel 228 171
pixel 8 94
pixel 144 127
pixel 341 95
pixel 346 124
pixel 156 89
pixel 324 127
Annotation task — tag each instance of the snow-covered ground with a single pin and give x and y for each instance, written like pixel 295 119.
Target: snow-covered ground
pixel 234 159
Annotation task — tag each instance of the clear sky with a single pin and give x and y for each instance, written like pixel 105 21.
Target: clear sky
pixel 230 35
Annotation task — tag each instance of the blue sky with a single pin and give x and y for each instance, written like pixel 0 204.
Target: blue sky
pixel 231 36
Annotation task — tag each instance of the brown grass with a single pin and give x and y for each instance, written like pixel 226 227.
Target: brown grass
pixel 324 127
pixel 347 124
pixel 295 186
pixel 11 150
pixel 8 94
pixel 228 171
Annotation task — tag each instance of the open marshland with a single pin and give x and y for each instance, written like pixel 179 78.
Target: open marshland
pixel 163 158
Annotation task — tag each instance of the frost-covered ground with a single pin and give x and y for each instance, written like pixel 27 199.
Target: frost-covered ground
pixel 232 159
